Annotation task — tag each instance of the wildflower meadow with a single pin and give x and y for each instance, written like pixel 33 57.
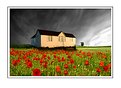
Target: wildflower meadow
pixel 80 62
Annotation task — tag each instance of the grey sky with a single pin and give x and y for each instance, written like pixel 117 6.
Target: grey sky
pixel 83 23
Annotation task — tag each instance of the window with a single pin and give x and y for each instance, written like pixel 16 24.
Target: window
pixel 72 39
pixel 61 39
pixel 49 38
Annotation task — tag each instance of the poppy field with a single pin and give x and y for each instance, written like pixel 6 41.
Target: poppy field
pixel 80 62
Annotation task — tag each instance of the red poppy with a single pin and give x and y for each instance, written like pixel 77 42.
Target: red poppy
pixel 66 66
pixel 104 56
pixel 69 56
pixel 45 64
pixel 86 62
pixel 88 54
pixel 80 56
pixel 44 55
pixel 63 59
pixel 27 60
pixel 68 62
pixel 74 67
pixel 59 60
pixel 35 58
pixel 29 64
pixel 36 72
pixel 24 57
pixel 48 58
pixel 105 68
pixel 41 61
pixel 18 60
pixel 55 56
pixel 109 65
pixel 77 54
pixel 83 53
pixel 58 69
pixel 14 62
pixel 65 72
pixel 101 63
pixel 71 61
pixel 12 49
pixel 98 70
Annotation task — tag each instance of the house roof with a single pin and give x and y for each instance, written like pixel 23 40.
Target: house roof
pixel 52 33
pixel 69 35
pixel 47 32
pixel 33 36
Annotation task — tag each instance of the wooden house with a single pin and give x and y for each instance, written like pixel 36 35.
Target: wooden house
pixel 51 39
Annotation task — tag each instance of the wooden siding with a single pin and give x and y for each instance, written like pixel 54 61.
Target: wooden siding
pixel 36 41
pixel 56 42
pixel 32 41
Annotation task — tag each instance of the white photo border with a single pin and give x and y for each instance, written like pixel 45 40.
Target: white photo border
pixel 56 7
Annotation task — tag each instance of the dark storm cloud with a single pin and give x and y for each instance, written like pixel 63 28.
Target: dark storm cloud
pixel 83 23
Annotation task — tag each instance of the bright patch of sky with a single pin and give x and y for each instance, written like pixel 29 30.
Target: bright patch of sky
pixel 103 38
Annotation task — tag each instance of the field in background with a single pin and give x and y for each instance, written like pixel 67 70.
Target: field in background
pixel 85 61
pixel 94 48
